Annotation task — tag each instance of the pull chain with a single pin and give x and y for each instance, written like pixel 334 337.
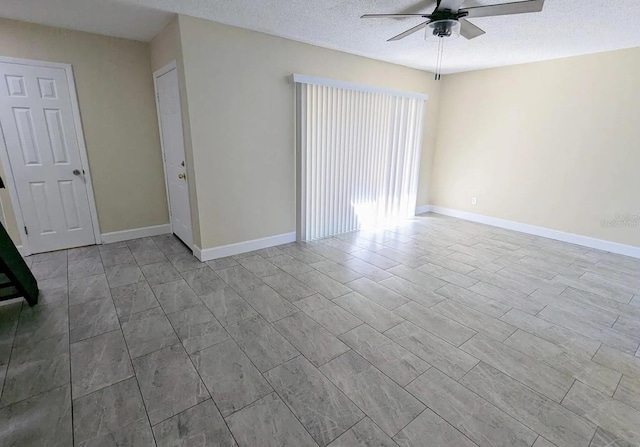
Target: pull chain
pixel 439 58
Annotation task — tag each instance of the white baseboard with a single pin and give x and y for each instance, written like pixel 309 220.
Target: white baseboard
pixel 423 209
pixel 208 254
pixel 126 235
pixel 585 241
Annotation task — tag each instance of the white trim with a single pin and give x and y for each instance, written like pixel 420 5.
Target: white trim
pixel 82 149
pixel 20 248
pixel 126 235
pixel 305 79
pixel 164 70
pixel 209 254
pixel 585 241
pixel 423 209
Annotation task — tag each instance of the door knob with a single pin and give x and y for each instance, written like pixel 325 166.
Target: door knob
pixel 76 172
pixel 182 176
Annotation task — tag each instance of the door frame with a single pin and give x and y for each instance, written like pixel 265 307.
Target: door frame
pixel 156 74
pixel 82 148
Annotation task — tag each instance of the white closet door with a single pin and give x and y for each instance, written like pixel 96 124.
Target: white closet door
pixel 358 158
pixel 40 137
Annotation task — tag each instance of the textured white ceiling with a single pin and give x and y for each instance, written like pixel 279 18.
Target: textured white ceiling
pixel 564 28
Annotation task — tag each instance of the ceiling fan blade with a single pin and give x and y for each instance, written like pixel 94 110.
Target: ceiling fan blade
pixel 452 5
pixel 505 9
pixel 410 31
pixel 391 16
pixel 469 30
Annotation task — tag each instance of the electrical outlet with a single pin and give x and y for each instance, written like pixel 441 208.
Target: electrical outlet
pixel 474 200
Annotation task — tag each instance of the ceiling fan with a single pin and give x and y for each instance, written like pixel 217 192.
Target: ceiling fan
pixel 448 20
pixel 448 15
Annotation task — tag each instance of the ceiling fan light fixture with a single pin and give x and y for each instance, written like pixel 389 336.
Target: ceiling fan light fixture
pixel 442 29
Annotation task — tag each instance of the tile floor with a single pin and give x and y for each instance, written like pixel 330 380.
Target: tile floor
pixel 439 333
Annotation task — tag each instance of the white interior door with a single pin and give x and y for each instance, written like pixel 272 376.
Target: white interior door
pixel 38 126
pixel 170 114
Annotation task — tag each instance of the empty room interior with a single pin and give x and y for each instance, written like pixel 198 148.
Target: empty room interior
pixel 319 223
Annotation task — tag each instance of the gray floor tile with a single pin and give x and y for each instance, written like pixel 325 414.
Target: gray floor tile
pixel 322 284
pixel 197 328
pixel 541 442
pixel 43 420
pixel 116 256
pixel 98 362
pixel 53 290
pixel 269 252
pixel 384 401
pixel 302 254
pixel 565 338
pixel 311 339
pixel 58 256
pixel 375 259
pixel 288 287
pixel 479 420
pixel 150 255
pixel 484 324
pixel 334 319
pixel 474 300
pixel 536 375
pixel 434 322
pixel 169 383
pixel 289 264
pixel 365 269
pixel 630 326
pixel 83 253
pixel 313 302
pixel 36 367
pixel 203 280
pixel 112 413
pixel 160 273
pixel 578 367
pixel 386 355
pixel 620 361
pixel 551 420
pixel 49 269
pixel 239 278
pixel 92 318
pixel 364 434
pixel 318 404
pixel 417 277
pixel 123 274
pixel 629 310
pixel 262 343
pixel 604 438
pixel 335 271
pixel 268 303
pixel 430 430
pixel 133 298
pixel 222 263
pixel 366 310
pixel 88 288
pixel 608 413
pixel 603 334
pixel 387 298
pixel 85 267
pixel 583 311
pixel 175 296
pixel 199 426
pixel 231 378
pixel 433 350
pixel 268 423
pixel 184 262
pixel 329 252
pixel 227 306
pixel 141 243
pixel 147 332
pixel 412 291
pixel 516 300
pixel 629 392
pixel 40 322
pixel 259 266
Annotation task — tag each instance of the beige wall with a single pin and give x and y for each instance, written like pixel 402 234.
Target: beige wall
pixel 241 104
pixel 554 144
pixel 117 107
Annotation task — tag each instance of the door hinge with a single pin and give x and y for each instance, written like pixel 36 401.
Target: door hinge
pixel 26 231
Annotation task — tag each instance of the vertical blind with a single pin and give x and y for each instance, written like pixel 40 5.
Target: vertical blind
pixel 358 156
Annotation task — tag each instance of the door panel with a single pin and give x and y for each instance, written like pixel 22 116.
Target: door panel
pixel 37 123
pixel 170 114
